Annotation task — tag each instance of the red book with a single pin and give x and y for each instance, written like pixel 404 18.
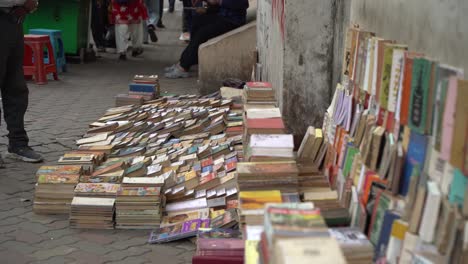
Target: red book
pixel 406 89
pixel 226 247
pixel 217 260
pixel 390 122
pixel 267 123
pixel 207 178
pixel 381 117
pixel 233 130
pixel 207 162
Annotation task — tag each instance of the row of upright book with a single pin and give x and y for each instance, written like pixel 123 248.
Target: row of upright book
pixel 286 206
pixel 396 136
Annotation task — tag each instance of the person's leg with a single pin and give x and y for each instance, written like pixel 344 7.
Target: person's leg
pixel 121 39
pixel 201 21
pixel 153 11
pixel 137 38
pixel 153 17
pixel 97 24
pixel 14 91
pixel 171 6
pixel 161 11
pixel 190 55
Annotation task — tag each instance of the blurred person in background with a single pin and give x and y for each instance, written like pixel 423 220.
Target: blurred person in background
pixel 221 16
pixel 128 15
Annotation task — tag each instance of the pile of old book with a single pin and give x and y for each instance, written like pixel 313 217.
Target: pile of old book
pixel 92 212
pixel 138 204
pixel 292 230
pixel 164 165
pixel 219 245
pixel 354 244
pixel 259 93
pixel 55 188
pixel 143 88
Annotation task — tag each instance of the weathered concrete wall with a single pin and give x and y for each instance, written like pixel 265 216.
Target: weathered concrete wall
pixel 270 46
pixel 342 20
pixel 228 56
pixel 295 40
pixel 439 28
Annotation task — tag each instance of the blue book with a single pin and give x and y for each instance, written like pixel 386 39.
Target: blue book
pixel 416 155
pixel 207 169
pixel 141 87
pixel 457 188
pixel 385 232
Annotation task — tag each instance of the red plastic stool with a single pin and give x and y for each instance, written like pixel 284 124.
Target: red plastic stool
pixel 33 63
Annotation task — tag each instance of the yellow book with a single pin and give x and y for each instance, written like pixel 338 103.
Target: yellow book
pixel 251 253
pixel 258 199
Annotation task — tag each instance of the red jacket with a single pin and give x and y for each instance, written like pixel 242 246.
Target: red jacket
pixel 132 13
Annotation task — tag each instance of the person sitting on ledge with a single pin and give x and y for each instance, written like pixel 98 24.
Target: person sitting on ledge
pixel 229 14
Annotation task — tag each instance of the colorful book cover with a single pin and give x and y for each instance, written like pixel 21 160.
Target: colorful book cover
pixel 385 233
pixel 382 204
pixel 396 76
pixel 178 231
pixel 406 88
pixel 459 141
pixel 420 85
pixel 57 179
pixel 416 155
pixel 258 199
pixel 457 188
pixel 439 113
pixel 139 191
pixel 66 169
pixel 386 75
pixel 352 151
pixel 97 188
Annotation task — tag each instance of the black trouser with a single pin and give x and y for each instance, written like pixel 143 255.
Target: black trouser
pixel 204 27
pixel 98 22
pixel 187 16
pixel 13 86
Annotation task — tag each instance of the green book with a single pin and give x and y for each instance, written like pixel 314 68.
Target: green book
pixel 351 153
pixel 383 204
pixel 420 95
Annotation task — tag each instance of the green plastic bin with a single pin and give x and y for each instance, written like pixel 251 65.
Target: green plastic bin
pixel 69 16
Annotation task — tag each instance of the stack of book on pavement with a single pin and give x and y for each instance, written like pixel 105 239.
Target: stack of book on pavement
pixel 138 204
pixel 355 245
pixel 55 188
pixel 267 147
pixel 145 85
pixel 292 230
pixel 259 93
pixel 274 175
pixel 219 246
pixel 92 212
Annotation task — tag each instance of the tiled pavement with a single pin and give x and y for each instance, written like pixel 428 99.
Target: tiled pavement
pixel 59 114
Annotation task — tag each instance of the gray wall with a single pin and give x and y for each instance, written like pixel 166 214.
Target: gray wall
pixel 438 28
pixel 298 59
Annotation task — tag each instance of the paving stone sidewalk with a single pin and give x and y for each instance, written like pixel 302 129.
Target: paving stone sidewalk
pixel 58 115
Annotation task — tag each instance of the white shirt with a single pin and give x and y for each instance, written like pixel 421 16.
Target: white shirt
pixel 11 3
